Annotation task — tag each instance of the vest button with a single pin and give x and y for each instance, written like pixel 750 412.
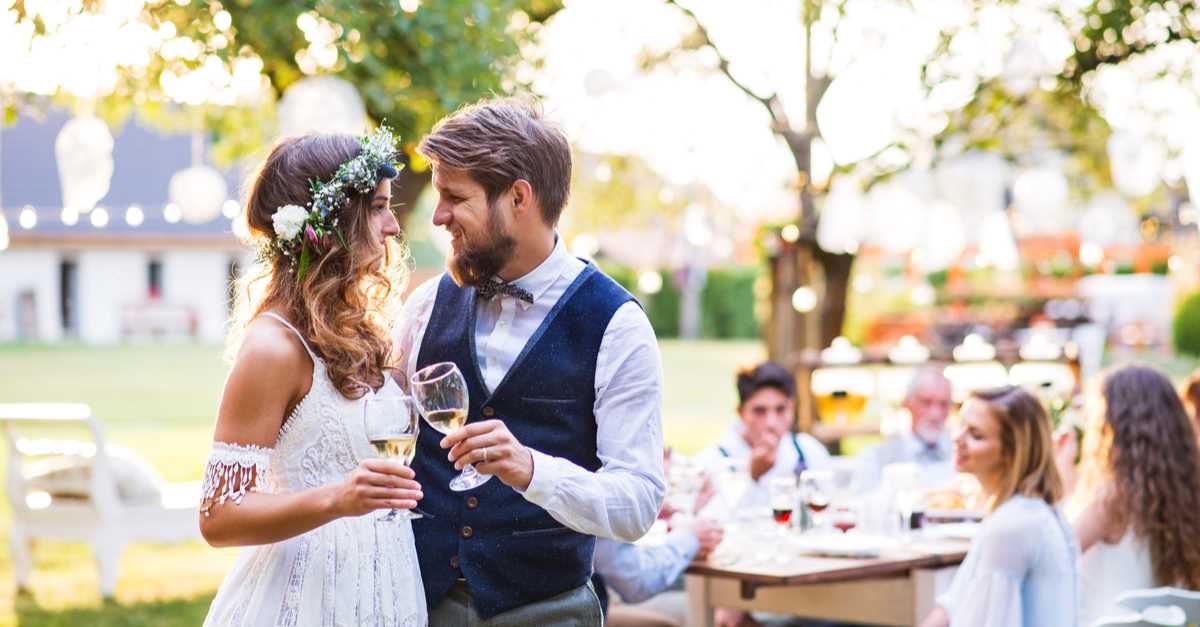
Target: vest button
pixel 488 411
pixel 467 532
pixel 472 502
pixel 454 562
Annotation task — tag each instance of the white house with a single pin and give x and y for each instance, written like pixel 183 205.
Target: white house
pixel 130 268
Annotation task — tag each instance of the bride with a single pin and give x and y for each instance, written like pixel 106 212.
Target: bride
pixel 291 472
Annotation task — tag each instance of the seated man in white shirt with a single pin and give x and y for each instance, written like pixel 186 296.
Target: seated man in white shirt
pixel 761 440
pixel 926 444
pixel 649 578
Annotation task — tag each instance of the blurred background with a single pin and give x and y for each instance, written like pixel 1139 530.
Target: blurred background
pixel 848 187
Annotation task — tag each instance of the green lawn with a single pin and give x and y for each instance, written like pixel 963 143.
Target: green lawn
pixel 159 400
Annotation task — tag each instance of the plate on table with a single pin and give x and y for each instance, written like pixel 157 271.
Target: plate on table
pixel 858 545
pixel 942 516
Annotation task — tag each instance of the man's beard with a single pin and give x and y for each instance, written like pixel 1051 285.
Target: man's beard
pixel 474 264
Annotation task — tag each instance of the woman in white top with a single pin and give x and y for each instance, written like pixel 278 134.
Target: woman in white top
pixel 1021 568
pixel 1140 484
pixel 292 474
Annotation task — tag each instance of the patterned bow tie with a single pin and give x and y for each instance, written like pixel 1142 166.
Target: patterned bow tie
pixel 490 289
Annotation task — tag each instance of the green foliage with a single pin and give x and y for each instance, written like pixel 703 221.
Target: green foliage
pixel 411 69
pixel 728 303
pixel 1186 332
pixel 662 308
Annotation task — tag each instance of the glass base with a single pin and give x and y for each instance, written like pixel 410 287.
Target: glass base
pixel 469 479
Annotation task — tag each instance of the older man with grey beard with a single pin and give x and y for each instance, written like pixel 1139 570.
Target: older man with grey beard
pixel 926 444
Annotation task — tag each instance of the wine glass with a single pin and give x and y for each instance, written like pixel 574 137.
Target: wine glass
pixel 845 517
pixel 440 393
pixel 816 487
pixel 783 499
pixel 391 427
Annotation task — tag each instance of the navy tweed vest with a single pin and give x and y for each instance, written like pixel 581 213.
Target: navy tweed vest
pixel 510 551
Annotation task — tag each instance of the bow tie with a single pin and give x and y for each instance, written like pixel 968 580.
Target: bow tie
pixel 489 289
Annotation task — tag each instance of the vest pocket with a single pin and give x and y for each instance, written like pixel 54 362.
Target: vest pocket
pixel 541 532
pixel 548 401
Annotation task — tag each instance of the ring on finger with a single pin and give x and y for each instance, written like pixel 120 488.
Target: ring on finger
pixel 485 454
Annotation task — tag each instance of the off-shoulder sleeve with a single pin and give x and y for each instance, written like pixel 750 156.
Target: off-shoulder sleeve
pixel 232 471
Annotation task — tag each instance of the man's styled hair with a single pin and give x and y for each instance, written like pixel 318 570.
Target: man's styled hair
pixel 497 142
pixel 765 375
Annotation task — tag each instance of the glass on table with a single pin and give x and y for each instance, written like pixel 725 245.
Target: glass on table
pixel 844 517
pixel 816 490
pixel 784 497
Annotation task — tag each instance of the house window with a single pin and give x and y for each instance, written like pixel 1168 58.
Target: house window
pixel 154 271
pixel 68 284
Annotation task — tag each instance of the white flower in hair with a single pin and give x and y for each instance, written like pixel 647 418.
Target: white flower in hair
pixel 288 220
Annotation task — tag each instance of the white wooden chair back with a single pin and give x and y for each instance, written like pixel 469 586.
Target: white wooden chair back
pixel 102 490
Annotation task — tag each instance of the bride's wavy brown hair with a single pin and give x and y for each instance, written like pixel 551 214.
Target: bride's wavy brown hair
pixel 347 297
pixel 1144 448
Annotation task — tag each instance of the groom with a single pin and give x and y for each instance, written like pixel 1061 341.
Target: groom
pixel 564 381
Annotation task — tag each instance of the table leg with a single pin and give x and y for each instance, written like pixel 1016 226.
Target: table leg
pixel 927 584
pixel 699 608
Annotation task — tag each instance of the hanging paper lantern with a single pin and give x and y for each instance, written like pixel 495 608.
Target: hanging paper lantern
pixel 1137 163
pixel 1040 195
pixel 854 122
pixel 897 213
pixel 83 150
pixel 199 191
pixel 944 238
pixel 841 227
pixel 997 245
pixel 321 104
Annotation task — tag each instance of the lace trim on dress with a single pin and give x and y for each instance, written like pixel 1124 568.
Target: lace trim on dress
pixel 233 470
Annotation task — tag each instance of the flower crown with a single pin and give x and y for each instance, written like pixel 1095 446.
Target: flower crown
pixel 302 232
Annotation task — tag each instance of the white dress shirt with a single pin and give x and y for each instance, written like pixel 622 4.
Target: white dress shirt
pixel 637 572
pixel 621 499
pixel 733 450
pixel 935 463
pixel 1021 570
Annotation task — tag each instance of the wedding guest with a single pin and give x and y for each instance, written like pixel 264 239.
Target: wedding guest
pixel 926 443
pixel 649 579
pixel 1140 477
pixel 761 441
pixel 1021 567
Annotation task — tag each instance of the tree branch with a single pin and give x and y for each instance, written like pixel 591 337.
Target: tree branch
pixel 772 102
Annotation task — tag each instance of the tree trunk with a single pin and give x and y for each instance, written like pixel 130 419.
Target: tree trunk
pixel 835 273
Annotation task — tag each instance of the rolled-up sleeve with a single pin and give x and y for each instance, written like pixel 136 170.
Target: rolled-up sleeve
pixel 622 499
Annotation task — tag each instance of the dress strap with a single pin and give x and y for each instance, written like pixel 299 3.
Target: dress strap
pixel 300 335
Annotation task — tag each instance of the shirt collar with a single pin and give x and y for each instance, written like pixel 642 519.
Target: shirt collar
pixel 915 446
pixel 538 280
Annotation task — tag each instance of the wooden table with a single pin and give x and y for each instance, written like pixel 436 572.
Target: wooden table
pixel 897 588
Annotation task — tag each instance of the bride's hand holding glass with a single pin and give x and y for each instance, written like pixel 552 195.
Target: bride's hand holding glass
pixel 376 484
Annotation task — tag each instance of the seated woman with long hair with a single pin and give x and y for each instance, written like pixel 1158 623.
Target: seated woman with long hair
pixel 1140 482
pixel 1021 567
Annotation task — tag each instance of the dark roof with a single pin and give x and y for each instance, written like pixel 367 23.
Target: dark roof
pixel 143 161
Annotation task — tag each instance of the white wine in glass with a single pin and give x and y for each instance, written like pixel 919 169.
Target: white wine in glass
pixel 440 393
pixel 447 420
pixel 391 428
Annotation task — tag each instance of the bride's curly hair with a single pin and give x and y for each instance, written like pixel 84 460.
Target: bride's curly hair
pixel 1144 448
pixel 347 297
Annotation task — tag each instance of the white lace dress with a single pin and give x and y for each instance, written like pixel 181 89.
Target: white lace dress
pixel 351 571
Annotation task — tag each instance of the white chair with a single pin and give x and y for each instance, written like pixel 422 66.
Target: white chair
pixel 1186 600
pixel 102 519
